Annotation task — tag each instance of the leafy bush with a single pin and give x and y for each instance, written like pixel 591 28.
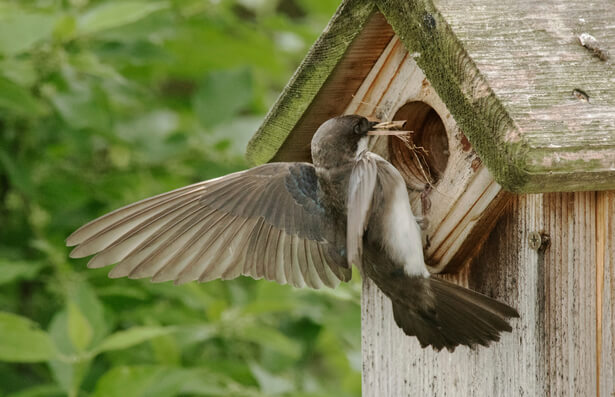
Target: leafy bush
pixel 106 102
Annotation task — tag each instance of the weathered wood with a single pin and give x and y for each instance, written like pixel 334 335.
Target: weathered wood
pixel 531 85
pixel 530 55
pixel 339 88
pixel 605 292
pixel 554 349
pixel 463 204
pixel 507 73
pixel 323 84
pixel 570 294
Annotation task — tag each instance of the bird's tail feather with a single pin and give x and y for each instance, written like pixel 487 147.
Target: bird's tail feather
pixel 440 314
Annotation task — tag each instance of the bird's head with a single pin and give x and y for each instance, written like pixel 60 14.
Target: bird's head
pixel 341 139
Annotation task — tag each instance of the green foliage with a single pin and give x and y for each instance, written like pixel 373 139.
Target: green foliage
pixel 110 15
pixel 105 102
pixel 233 88
pixel 16 98
pixel 22 341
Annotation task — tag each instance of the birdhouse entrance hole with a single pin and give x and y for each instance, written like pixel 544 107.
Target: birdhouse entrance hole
pixel 422 156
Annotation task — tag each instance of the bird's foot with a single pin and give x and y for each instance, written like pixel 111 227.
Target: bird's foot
pixel 422 222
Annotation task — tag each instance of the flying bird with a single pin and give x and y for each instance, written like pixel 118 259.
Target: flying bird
pixel 301 224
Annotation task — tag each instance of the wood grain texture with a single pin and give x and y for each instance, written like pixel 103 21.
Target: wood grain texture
pixel 531 56
pixel 535 137
pixel 537 105
pixel 323 84
pixel 339 88
pixel 570 294
pixel 553 349
pixel 462 206
pixel 540 137
pixel 605 302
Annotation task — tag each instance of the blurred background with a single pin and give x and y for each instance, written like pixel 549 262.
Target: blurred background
pixel 105 102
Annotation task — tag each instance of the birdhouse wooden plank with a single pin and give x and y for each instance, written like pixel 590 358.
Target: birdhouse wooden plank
pixel 450 187
pixel 502 98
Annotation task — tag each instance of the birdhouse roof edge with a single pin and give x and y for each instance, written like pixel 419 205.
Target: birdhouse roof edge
pixel 520 160
pixel 308 78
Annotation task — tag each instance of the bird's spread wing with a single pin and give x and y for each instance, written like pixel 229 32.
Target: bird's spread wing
pixel 360 194
pixel 265 222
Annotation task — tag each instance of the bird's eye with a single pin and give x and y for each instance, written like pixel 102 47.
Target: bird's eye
pixel 357 128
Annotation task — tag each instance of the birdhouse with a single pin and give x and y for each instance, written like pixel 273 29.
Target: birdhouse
pixel 510 162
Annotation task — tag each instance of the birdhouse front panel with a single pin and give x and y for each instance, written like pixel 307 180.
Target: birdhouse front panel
pixel 449 186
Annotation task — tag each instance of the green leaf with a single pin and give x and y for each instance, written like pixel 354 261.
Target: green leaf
pixel 83 107
pixel 19 31
pixel 20 71
pixel 17 99
pixel 22 341
pixel 236 133
pixel 166 350
pixel 203 381
pixel 83 296
pixel 270 384
pixel 11 270
pixel 68 375
pixel 114 14
pixel 270 338
pixel 197 333
pixel 222 95
pixel 116 290
pixel 18 174
pixel 47 390
pixel 325 8
pixel 130 337
pixel 137 381
pixel 65 28
pixel 230 45
pixel 79 328
pixel 162 381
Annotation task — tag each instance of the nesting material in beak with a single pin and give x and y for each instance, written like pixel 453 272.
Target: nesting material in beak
pixel 388 128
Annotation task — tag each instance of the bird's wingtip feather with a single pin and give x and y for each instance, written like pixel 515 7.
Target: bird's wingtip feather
pixel 70 241
pixel 76 253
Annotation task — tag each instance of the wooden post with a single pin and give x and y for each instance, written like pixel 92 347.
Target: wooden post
pixel 563 344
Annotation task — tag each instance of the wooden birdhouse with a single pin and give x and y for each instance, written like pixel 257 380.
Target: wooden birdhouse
pixel 512 108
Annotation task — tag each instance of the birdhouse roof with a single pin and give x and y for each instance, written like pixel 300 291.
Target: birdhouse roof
pixel 531 85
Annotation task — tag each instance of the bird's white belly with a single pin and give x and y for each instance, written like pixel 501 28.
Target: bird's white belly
pixel 402 239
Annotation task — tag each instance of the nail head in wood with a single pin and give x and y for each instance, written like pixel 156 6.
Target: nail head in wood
pixel 538 241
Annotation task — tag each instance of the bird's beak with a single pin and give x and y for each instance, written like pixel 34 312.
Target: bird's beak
pixel 387 128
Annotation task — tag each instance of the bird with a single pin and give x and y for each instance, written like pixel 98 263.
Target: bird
pixel 303 224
